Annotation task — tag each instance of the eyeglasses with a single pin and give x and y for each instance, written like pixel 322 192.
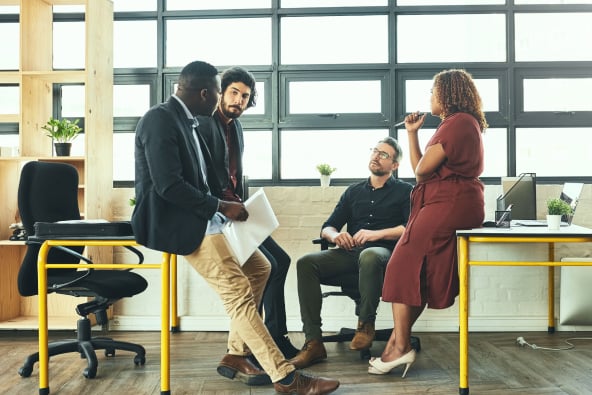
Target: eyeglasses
pixel 381 154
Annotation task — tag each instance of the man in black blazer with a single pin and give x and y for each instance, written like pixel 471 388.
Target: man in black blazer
pixel 223 134
pixel 176 213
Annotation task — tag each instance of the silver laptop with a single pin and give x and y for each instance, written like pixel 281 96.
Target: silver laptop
pixel 570 194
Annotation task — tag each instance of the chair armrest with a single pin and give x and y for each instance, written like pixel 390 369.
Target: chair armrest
pixel 325 244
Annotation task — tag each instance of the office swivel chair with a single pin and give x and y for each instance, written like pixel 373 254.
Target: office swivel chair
pixel 48 192
pixel 348 283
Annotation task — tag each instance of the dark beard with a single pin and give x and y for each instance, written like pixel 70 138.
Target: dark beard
pixel 379 173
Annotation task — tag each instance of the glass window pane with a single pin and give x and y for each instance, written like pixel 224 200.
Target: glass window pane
pixel 134 44
pixel 257 158
pixel 553 36
pixel 73 100
pixel 418 94
pixel 310 97
pixel 12 141
pixel 495 145
pixel 331 3
pixel 9 9
pixel 68 45
pixel 131 100
pixel 123 157
pixel 558 94
pixel 568 147
pixel 10 44
pixel 334 39
pixel 9 99
pixel 134 5
pixel 472 43
pixel 448 2
pixel 302 151
pixel 216 4
pixel 59 9
pixel 255 50
pixel 553 1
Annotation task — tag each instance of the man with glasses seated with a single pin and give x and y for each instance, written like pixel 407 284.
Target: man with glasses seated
pixel 375 212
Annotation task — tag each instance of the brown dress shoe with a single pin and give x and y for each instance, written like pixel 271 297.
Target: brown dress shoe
pixel 304 384
pixel 313 351
pixel 243 369
pixel 364 336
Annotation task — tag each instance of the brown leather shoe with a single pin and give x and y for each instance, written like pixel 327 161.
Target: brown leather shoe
pixel 304 384
pixel 313 351
pixel 364 336
pixel 243 369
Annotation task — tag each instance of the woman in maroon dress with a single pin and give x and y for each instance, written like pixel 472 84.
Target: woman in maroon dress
pixel 448 196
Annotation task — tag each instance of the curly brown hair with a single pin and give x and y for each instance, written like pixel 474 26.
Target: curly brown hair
pixel 457 93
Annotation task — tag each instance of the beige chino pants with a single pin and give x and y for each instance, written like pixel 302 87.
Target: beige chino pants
pixel 241 290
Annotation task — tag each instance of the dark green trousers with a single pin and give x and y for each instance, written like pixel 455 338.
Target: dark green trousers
pixel 359 272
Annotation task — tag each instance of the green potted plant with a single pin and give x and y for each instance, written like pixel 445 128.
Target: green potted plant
pixel 62 131
pixel 556 208
pixel 325 170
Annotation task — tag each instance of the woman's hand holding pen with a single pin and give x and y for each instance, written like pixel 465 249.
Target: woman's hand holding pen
pixel 414 121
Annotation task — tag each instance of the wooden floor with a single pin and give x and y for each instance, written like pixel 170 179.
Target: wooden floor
pixel 497 366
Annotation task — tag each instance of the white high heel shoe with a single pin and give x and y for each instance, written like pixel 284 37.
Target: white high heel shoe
pixel 377 366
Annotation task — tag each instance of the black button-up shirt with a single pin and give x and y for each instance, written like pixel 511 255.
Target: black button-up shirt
pixel 364 207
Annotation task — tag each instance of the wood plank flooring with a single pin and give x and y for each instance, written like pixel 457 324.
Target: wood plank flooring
pixel 497 366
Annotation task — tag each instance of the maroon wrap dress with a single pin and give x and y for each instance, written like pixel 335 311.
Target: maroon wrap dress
pixel 423 267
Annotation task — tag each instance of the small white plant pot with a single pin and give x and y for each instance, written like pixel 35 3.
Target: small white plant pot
pixel 325 180
pixel 553 222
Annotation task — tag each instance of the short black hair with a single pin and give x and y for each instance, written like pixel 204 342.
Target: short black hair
pixel 197 75
pixel 238 74
pixel 395 144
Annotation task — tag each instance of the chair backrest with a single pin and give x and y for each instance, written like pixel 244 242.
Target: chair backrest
pixel 47 192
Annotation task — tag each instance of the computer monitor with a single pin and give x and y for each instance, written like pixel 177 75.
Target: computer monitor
pixel 522 197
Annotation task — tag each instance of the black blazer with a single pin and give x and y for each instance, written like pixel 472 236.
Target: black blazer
pixel 173 204
pixel 213 133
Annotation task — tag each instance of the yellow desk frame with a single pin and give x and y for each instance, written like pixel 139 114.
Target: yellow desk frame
pixel 42 266
pixel 571 234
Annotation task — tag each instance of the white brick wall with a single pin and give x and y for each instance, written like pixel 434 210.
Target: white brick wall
pixel 501 298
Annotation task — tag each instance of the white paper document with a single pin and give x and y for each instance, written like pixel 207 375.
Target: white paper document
pixel 245 237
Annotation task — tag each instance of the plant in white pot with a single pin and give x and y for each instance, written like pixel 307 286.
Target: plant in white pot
pixel 556 208
pixel 62 131
pixel 325 170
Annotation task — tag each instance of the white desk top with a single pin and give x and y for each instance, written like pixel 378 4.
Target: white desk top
pixel 536 231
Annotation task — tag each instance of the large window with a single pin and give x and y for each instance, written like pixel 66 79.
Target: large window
pixel 334 76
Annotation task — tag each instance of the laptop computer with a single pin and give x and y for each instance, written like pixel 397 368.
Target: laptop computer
pixel 570 194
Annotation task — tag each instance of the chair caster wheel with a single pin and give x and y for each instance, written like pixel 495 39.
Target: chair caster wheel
pixel 139 360
pixel 89 373
pixel 109 352
pixel 25 371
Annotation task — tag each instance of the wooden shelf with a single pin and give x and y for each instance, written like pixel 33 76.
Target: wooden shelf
pixel 35 79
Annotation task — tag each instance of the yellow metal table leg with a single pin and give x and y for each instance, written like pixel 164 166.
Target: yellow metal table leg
pixel 463 273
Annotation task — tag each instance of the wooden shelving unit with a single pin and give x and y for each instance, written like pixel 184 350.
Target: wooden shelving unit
pixel 35 79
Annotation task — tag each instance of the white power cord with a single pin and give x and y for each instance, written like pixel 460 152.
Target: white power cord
pixel 522 343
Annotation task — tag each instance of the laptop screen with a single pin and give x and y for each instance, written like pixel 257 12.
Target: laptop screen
pixel 571 194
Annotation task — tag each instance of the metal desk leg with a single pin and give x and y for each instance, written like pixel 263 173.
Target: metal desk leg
pixel 43 331
pixel 175 327
pixel 463 273
pixel 551 290
pixel 165 336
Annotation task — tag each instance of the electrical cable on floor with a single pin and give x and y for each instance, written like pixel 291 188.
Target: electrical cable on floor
pixel 522 343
